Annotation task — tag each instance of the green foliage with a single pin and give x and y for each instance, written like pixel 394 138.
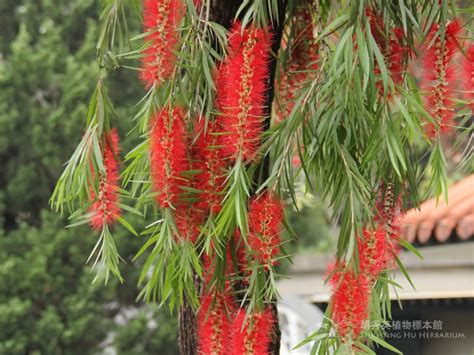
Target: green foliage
pixel 311 224
pixel 43 90
pixel 47 300
pixel 49 305
pixel 156 332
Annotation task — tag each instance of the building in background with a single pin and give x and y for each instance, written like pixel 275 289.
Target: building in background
pixel 437 317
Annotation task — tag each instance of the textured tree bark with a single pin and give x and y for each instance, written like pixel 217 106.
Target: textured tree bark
pixel 223 12
pixel 187 330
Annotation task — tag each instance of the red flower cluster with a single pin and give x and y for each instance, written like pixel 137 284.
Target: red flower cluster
pixel 168 158
pixel 379 245
pixel 221 327
pixel 211 177
pixel 377 27
pixel 439 76
pixel 396 57
pixel 252 338
pixel 241 254
pixel 241 89
pixel 302 63
pixel 188 221
pixel 391 46
pixel 389 216
pixel 350 300
pixel 217 310
pixel 265 218
pixel 105 208
pixel 375 252
pixel 161 20
pixel 468 76
pixel 215 323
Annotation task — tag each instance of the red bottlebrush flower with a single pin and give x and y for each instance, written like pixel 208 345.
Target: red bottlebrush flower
pixel 377 28
pixel 211 178
pixel 252 338
pixel 304 54
pixel 105 208
pixel 168 155
pixel 188 221
pixel 396 57
pixel 215 323
pixel 241 92
pixel 161 19
pixel 389 214
pixel 349 301
pixel 391 46
pixel 265 218
pixel 375 252
pixel 468 76
pixel 241 256
pixel 439 76
pixel 377 248
pixel 394 232
pixel 302 63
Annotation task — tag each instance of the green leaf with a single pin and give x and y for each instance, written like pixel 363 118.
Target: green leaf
pixel 407 245
pixel 383 343
pixel 127 225
pixel 404 271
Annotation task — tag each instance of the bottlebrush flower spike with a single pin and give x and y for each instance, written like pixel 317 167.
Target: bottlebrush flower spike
pixel 302 63
pixel 375 252
pixel 377 28
pixel 391 46
pixel 397 56
pixel 209 261
pixel 468 76
pixel 388 217
pixel 439 76
pixel 217 309
pixel 211 177
pixel 252 338
pixel 161 20
pixel 168 158
pixel 240 251
pixel 214 321
pixel 188 222
pixel 241 91
pixel 105 208
pixel 265 219
pixel 349 301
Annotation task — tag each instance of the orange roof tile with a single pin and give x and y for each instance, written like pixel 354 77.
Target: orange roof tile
pixel 440 220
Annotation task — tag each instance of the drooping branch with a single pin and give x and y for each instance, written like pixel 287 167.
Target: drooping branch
pixel 224 12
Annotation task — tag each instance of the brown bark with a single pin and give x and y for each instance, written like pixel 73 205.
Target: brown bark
pixel 187 330
pixel 223 12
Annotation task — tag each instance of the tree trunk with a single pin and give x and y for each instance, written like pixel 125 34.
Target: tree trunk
pixel 187 330
pixel 223 12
